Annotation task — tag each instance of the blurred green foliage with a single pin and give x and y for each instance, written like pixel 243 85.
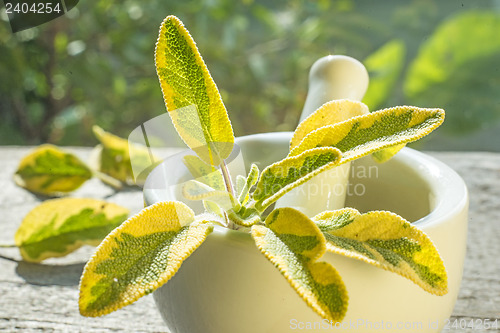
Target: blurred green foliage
pixel 95 65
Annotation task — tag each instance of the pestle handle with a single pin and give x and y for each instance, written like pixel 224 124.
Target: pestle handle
pixel 334 77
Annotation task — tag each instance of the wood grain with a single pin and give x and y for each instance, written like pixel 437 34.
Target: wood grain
pixel 43 297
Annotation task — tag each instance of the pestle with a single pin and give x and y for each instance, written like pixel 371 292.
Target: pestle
pixel 331 77
pixel 334 77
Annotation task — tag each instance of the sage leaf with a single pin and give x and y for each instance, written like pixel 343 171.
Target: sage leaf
pixel 293 243
pixel 386 154
pixel 251 180
pixel 281 177
pixel 116 156
pixel 245 217
pixel 139 257
pixel 329 113
pixel 195 190
pixel 59 226
pixel 51 171
pixel 213 208
pixel 204 173
pixel 378 130
pixel 240 184
pixel 385 240
pixel 191 96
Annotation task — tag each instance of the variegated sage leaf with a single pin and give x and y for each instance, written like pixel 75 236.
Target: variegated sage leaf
pixel 195 190
pixel 366 134
pixel 116 156
pixel 240 184
pixel 139 256
pixel 51 171
pixel 293 243
pixel 388 241
pixel 386 154
pixel 191 96
pixel 245 217
pixel 60 226
pixel 281 177
pixel 329 113
pixel 251 180
pixel 204 173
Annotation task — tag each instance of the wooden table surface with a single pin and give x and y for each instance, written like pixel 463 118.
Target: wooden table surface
pixel 43 297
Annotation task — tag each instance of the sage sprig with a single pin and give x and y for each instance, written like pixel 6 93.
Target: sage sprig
pixel 162 236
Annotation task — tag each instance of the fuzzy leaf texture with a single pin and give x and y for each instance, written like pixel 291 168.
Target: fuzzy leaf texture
pixel 369 133
pixel 247 183
pixel 139 257
pixel 329 113
pixel 283 176
pixel 293 243
pixel 191 96
pixel 60 226
pixel 385 240
pixel 386 154
pixel 51 171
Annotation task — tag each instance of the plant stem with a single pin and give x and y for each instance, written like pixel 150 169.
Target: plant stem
pixel 227 178
pixel 230 189
pixel 7 245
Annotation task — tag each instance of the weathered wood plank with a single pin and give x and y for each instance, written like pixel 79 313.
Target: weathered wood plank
pixel 43 297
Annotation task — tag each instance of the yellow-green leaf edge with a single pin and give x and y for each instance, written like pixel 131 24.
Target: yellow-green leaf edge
pixel 285 175
pixel 415 123
pixel 206 96
pixel 49 182
pixel 38 225
pixel 286 222
pixel 160 217
pixel 357 230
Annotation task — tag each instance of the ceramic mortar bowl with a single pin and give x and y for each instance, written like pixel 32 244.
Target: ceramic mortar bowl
pixel 227 285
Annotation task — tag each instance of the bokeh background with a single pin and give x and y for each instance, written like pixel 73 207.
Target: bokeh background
pixel 95 65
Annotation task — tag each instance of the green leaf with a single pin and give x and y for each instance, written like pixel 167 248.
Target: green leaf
pixel 293 243
pixel 245 216
pixel 457 61
pixel 194 190
pixel 51 171
pixel 191 96
pixel 386 154
pixel 116 156
pixel 366 134
pixel 281 177
pixel 213 208
pixel 384 68
pixel 139 257
pixel 385 240
pixel 463 39
pixel 253 176
pixel 60 226
pixel 240 184
pixel 328 114
pixel 204 173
